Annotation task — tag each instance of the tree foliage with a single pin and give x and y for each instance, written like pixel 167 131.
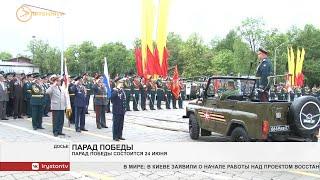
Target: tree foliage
pixel 5 55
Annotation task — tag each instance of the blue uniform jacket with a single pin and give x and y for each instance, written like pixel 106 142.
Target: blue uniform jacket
pixel 263 71
pixel 118 99
pixel 80 96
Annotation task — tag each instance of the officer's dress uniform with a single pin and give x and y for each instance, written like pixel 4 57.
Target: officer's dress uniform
pixel 168 94
pixel 4 98
pixel 18 98
pixel 151 94
pixel 72 97
pixel 80 104
pixel 46 107
pixel 264 70
pixel 136 94
pixel 37 102
pixel 100 102
pixel 160 93
pixel 128 91
pixel 143 93
pixel 88 85
pixel 118 99
pixel 27 93
pixel 182 95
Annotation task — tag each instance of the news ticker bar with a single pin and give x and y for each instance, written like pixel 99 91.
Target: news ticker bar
pixel 169 166
pixel 158 156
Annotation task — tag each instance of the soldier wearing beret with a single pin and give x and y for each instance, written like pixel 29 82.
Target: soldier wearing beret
pixel 37 102
pixel 118 99
pixel 264 70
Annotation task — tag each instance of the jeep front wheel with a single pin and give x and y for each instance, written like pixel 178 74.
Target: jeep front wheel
pixel 239 135
pixel 193 127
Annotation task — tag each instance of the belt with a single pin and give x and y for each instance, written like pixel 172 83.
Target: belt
pixel 72 94
pixel 137 89
pixel 128 89
pixel 101 96
pixel 29 90
pixel 37 96
pixel 160 88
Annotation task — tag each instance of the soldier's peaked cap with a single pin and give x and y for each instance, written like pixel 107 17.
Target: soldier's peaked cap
pixel 263 50
pixel 77 78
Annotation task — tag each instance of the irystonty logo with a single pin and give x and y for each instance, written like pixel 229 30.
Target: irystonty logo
pixel 25 12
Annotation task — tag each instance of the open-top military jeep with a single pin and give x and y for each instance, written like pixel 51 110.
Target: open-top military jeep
pixel 243 117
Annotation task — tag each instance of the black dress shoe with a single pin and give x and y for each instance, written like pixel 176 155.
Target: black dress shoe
pixel 136 109
pixel 78 130
pixel 62 134
pixel 55 135
pixel 15 117
pixel 34 128
pixel 116 139
pixel 4 119
pixel 122 138
pixel 99 127
pixel 105 126
pixel 84 129
pixel 19 116
pixel 46 115
pixel 29 116
pixel 40 127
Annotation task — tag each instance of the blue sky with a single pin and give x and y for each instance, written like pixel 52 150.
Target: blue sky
pixel 103 21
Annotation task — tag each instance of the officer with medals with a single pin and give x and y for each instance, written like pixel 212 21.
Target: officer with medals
pixel 151 88
pixel 88 84
pixel 80 104
pixel 136 92
pixel 118 99
pixel 100 101
pixel 37 102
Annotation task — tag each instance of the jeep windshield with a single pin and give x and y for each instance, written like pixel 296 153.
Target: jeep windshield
pixel 217 86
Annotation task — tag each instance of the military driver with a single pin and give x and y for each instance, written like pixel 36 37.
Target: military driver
pixel 231 91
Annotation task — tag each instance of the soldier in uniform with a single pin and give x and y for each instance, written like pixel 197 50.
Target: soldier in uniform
pixel 112 85
pixel 152 87
pixel 72 97
pixel 160 93
pixel 80 103
pixel 314 91
pixel 88 84
pixel 307 90
pixel 273 92
pixel 136 92
pixel 27 87
pixel 37 102
pixel 264 70
pixel 18 96
pixel 143 92
pixel 182 94
pixel 128 91
pixel 118 99
pixel 100 101
pixel 4 98
pixel 45 84
pixel 9 82
pixel 167 93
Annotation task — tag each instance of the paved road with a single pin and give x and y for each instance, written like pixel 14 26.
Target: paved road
pixel 141 126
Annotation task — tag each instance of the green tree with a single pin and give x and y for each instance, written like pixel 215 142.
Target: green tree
pixel 5 55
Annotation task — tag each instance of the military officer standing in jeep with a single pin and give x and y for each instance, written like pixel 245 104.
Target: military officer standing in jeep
pixel 264 70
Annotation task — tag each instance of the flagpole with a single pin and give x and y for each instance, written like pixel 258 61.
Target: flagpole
pixel 62 46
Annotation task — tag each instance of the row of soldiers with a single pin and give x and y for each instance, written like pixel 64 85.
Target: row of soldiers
pixel 139 90
pixel 281 92
pixel 17 93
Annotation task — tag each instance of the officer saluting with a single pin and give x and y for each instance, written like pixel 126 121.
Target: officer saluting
pixel 118 99
pixel 37 102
